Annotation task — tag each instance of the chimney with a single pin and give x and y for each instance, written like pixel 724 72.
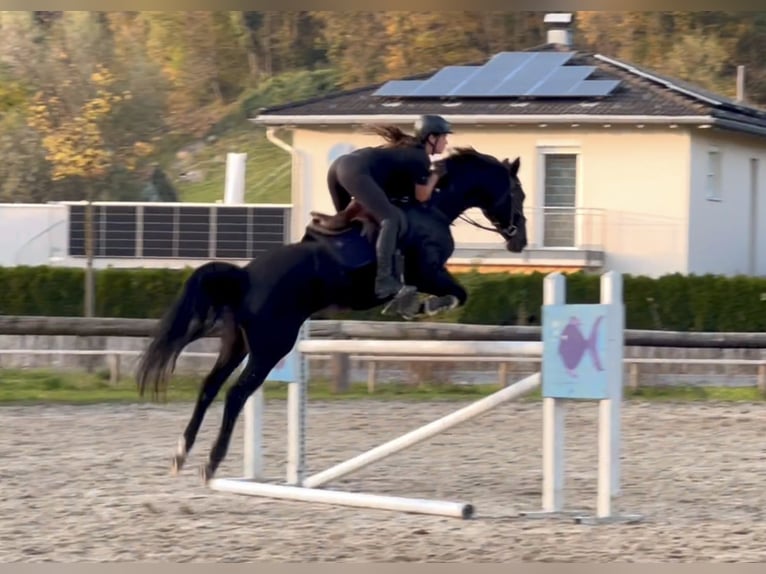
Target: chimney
pixel 559 28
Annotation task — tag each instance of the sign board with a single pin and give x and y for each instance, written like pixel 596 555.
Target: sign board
pixel 582 351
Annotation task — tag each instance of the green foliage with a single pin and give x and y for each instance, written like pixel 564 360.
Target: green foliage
pixel 137 292
pixel 290 87
pixel 181 77
pixel 671 302
pixel 54 291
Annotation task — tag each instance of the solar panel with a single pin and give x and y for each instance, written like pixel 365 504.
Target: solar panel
pixel 495 71
pixel 507 74
pixel 594 88
pixel 397 88
pixel 561 80
pixel 444 81
pixel 525 79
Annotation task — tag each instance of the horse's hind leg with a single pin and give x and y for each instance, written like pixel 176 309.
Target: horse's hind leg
pixel 233 351
pixel 259 365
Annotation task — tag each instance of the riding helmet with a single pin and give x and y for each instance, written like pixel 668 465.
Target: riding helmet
pixel 431 125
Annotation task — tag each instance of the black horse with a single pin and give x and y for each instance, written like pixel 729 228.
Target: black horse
pixel 259 309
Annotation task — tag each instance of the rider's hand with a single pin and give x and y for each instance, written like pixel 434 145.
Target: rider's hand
pixel 439 168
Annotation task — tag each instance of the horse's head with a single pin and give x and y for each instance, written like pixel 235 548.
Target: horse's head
pixel 474 179
pixel 515 232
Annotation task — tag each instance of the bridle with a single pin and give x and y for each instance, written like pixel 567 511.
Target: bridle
pixel 506 232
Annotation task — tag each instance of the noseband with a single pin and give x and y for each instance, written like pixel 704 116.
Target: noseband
pixel 506 232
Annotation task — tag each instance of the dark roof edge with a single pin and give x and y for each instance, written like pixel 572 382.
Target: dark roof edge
pixel 700 94
pixel 730 124
pixel 313 99
pixel 341 92
pixel 345 119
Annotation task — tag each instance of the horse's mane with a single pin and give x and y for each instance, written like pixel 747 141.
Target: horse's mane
pixel 468 153
pixel 393 135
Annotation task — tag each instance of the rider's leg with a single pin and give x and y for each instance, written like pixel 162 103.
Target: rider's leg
pixel 339 194
pixel 390 219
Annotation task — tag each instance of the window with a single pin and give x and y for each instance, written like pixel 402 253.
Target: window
pixel 338 150
pixel 713 175
pixel 559 199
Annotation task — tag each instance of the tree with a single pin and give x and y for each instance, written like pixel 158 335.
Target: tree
pixel 76 148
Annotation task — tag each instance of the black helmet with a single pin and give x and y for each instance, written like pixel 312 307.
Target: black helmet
pixel 431 125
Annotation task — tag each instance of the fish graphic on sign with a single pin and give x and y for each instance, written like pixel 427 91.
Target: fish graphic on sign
pixel 573 345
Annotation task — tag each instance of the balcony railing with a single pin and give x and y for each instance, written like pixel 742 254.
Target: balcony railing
pixel 566 228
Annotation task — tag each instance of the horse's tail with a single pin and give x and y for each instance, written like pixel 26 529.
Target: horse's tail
pixel 211 290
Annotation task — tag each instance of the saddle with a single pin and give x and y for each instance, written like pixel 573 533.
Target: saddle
pixel 341 222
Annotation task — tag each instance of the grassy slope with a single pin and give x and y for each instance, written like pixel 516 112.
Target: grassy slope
pixel 267 175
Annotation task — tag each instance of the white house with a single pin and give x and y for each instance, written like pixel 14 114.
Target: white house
pixel 623 169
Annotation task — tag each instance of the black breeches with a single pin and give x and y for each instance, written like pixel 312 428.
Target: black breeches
pixel 340 196
pixel 346 180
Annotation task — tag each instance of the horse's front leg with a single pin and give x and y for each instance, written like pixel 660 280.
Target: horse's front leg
pixel 443 290
pixel 445 293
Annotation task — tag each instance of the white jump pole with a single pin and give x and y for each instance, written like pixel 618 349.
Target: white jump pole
pixel 475 409
pixel 423 348
pixel 412 505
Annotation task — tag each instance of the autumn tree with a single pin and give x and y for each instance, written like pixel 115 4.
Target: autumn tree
pixel 76 147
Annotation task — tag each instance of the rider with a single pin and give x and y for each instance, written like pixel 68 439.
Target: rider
pixel 399 170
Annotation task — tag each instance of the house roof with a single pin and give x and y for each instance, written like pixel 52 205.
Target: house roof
pixel 641 97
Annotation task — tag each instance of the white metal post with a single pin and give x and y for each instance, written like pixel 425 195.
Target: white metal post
pixel 297 395
pixel 609 409
pixel 234 193
pixel 253 448
pixel 234 186
pixel 554 414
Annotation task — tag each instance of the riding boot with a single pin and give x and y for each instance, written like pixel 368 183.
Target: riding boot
pixel 386 283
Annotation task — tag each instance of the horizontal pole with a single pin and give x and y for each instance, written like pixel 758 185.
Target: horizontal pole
pixel 446 348
pixel 481 406
pixel 414 505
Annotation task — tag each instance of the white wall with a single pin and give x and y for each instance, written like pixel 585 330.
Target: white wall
pixel 641 179
pixel 32 234
pixel 720 228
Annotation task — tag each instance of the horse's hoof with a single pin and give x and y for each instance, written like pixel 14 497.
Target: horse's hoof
pixel 434 305
pixel 206 473
pixel 180 457
pixel 178 464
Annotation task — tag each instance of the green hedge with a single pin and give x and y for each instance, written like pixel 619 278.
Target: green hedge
pixel 671 302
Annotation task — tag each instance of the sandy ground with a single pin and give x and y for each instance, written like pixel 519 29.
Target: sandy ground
pixel 92 483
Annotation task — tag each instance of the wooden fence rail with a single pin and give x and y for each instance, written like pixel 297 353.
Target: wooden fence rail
pixel 118 327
